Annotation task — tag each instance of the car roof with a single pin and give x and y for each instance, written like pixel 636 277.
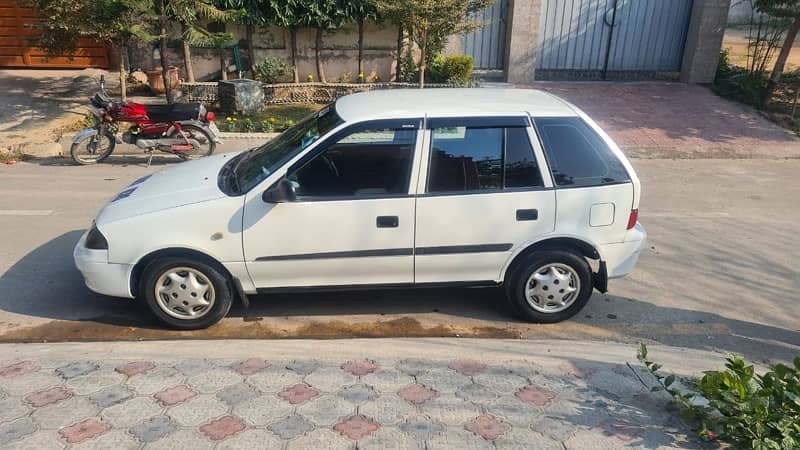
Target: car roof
pixel 406 103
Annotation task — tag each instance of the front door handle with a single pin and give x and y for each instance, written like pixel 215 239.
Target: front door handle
pixel 527 214
pixel 387 221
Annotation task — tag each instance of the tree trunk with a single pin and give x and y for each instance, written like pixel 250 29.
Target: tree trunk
pixel 780 63
pixel 123 75
pixel 187 57
pixel 223 67
pixel 398 71
pixel 293 38
pixel 423 52
pixel 360 73
pixel 162 47
pixel 251 51
pixel 317 48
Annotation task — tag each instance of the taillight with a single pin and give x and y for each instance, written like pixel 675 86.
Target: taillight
pixel 211 116
pixel 634 217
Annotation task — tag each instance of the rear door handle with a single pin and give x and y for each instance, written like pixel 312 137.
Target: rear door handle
pixel 527 214
pixel 387 221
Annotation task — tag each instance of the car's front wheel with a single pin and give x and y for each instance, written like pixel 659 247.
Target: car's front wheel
pixel 186 294
pixel 550 286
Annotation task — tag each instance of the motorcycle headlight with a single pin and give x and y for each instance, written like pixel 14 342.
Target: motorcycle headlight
pixel 95 239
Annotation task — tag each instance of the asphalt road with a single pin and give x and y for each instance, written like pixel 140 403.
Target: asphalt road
pixel 720 271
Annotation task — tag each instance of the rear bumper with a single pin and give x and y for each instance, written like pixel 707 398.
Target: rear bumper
pixel 620 258
pixel 98 274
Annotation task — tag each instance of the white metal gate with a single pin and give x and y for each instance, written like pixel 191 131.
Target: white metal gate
pixel 603 39
pixel 487 46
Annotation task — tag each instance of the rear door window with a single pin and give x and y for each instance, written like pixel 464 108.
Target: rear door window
pixel 578 157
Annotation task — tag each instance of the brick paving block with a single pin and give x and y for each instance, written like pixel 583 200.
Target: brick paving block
pixel 197 410
pixel 251 439
pixel 487 427
pixel 192 367
pixel 222 428
pixel 387 438
pixel 238 393
pixel 131 412
pixel 113 439
pixel 326 411
pixel 330 379
pixel 95 381
pixel 388 409
pixel 14 430
pixel 535 395
pixel 595 439
pixel 214 380
pixel 65 412
pixel 249 366
pixel 18 369
pixel 31 382
pixel 298 394
pixel 83 431
pixel 387 380
pixel 290 427
pixel 468 367
pixel 155 380
pixel 135 367
pixel 358 393
pixel 356 427
pixel 459 438
pixel 571 369
pixel 514 411
pixel 262 410
pixel 321 439
pixel 501 380
pixel 421 428
pixel 624 431
pixel 555 428
pixel 76 369
pixel 174 395
pixel 443 380
pixel 524 439
pixel 416 367
pixel 608 381
pixel 360 368
pixel 303 367
pixel 476 393
pixel 153 429
pixel 416 394
pixel 274 379
pixel 450 410
pixel 48 396
pixel 182 439
pixel 12 408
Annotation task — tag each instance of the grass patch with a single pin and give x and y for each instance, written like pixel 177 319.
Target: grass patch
pixel 274 118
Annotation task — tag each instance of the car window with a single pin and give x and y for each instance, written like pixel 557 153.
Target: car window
pixel 369 162
pixel 481 158
pixel 577 156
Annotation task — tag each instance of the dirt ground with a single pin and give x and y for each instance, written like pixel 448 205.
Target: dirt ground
pixel 735 41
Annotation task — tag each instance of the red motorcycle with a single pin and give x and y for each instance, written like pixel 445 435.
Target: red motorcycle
pixel 183 129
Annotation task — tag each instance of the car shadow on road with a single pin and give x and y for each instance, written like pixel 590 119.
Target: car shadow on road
pixel 159 160
pixel 44 284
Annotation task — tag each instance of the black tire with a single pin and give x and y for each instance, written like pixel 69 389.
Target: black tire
pixel 223 293
pixel 203 138
pixel 517 279
pixel 75 149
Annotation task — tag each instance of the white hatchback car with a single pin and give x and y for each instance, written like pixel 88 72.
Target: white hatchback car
pixel 399 188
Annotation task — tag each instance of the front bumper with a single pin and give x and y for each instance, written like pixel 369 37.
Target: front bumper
pixel 99 275
pixel 620 258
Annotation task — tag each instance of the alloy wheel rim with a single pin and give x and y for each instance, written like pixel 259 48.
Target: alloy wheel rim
pixel 185 293
pixel 552 288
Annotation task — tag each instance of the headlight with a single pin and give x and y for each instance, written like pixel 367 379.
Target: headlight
pixel 95 239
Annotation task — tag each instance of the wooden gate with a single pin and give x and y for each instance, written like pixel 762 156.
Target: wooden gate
pixel 16 49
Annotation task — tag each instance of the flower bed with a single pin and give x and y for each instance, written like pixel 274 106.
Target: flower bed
pixel 273 119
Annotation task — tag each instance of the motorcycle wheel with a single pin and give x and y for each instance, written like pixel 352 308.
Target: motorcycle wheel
pixel 93 149
pixel 202 143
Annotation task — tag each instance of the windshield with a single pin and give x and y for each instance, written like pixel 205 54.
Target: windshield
pixel 254 166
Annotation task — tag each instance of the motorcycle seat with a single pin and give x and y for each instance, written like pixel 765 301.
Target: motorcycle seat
pixel 174 112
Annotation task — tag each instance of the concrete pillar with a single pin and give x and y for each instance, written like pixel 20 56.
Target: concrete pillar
pixel 523 38
pixel 704 40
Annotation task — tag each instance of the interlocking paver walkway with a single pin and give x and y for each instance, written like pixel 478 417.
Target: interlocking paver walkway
pixel 334 404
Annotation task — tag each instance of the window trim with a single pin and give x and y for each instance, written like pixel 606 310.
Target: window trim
pixel 596 134
pixel 395 124
pixel 504 122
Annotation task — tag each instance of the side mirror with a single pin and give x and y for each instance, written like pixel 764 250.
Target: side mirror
pixel 283 192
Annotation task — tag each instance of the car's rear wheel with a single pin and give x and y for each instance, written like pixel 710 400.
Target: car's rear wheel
pixel 549 286
pixel 186 294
